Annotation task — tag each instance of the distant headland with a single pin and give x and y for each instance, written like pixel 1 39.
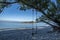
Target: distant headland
pixel 29 22
pixel 19 21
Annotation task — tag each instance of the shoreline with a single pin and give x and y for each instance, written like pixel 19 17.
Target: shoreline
pixel 6 29
pixel 38 28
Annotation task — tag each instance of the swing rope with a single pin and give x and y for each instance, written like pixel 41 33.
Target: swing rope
pixel 34 29
pixel 36 23
pixel 32 23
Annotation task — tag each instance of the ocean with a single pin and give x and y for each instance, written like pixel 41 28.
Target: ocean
pixel 5 24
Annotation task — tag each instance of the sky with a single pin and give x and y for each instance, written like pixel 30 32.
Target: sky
pixel 13 13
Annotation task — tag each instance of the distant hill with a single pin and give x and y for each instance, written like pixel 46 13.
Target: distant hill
pixel 28 22
pixel 19 21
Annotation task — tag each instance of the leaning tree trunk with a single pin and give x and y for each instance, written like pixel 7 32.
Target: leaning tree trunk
pixel 55 28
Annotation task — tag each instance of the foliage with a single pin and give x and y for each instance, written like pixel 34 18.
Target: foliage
pixel 49 9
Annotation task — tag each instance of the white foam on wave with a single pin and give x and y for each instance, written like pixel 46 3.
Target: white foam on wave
pixel 41 27
pixel 6 29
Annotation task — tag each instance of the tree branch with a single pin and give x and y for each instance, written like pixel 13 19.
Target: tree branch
pixel 49 24
pixel 37 8
pixel 8 2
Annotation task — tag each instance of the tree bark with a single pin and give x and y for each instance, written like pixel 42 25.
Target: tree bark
pixel 55 28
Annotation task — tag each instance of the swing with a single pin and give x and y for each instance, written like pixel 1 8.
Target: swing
pixel 34 30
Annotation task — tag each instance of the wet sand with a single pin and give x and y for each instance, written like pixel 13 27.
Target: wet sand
pixel 26 34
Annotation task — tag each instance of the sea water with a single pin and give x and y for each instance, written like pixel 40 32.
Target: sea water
pixel 9 24
pixel 14 25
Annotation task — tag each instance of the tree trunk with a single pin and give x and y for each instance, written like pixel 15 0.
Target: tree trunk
pixel 56 28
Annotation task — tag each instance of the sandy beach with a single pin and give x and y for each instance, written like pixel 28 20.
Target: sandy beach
pixel 26 34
